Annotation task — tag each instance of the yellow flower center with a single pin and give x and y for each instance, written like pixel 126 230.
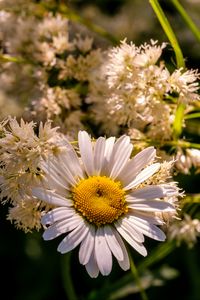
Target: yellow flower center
pixel 99 199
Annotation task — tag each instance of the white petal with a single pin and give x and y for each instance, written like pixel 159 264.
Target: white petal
pixel 102 253
pixel 152 192
pixel 57 214
pixel 121 159
pixel 127 226
pixel 53 168
pixel 152 206
pixel 51 197
pixel 73 239
pixel 62 171
pixel 147 216
pixel 120 155
pixel 125 263
pixel 86 151
pixel 109 148
pixel 124 140
pixel 108 154
pixel 92 267
pixel 87 246
pixel 62 226
pixel 99 155
pixel 113 243
pixel 71 160
pixel 128 237
pixel 136 164
pixel 51 183
pixel 53 180
pixel 148 229
pixel 51 174
pixel 143 175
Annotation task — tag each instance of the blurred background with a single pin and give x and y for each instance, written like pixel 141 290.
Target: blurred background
pixel 31 268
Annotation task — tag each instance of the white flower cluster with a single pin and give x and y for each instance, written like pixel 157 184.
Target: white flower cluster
pixel 59 71
pixel 187 230
pixel 21 151
pixel 71 82
pixel 141 92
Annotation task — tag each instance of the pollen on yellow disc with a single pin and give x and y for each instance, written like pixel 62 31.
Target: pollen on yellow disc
pixel 99 199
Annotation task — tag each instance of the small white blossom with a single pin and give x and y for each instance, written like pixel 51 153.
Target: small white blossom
pixel 187 230
pixel 185 84
pixel 187 159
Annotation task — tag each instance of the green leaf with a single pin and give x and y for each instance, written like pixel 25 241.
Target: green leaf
pixel 169 32
pixel 187 19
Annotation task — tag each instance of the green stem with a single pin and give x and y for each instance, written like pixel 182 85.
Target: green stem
pixel 187 19
pixel 169 32
pixel 177 126
pixel 183 144
pixel 178 120
pixel 7 58
pixel 137 278
pixel 190 198
pixel 66 277
pixel 174 143
pixel 192 116
pixel 192 210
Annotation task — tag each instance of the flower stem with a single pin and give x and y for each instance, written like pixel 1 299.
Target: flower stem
pixel 169 32
pixel 187 19
pixel 174 143
pixel 190 198
pixel 178 120
pixel 192 116
pixel 66 276
pixel 7 58
pixel 137 278
pixel 183 144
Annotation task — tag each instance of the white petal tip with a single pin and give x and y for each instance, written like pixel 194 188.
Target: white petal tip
pixel 43 222
pixel 61 250
pixel 162 238
pixel 126 268
pixel 93 275
pixel 46 237
pixel 143 252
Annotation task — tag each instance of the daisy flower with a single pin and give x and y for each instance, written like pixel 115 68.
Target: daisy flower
pixel 101 198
